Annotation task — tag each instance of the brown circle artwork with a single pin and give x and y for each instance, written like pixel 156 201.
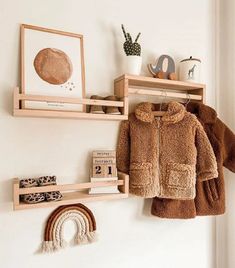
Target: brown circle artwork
pixel 53 66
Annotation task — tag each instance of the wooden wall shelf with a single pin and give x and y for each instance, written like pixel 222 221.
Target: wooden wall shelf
pixel 68 115
pixel 72 193
pixel 144 81
pixel 126 85
pixel 19 111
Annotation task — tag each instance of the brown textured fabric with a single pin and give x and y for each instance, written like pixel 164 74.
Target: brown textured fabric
pixel 163 155
pixel 210 195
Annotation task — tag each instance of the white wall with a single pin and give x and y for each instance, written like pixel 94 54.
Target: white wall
pixel 226 97
pixel 129 237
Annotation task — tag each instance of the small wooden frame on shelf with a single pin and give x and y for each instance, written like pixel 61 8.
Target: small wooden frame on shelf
pixel 18 110
pixel 72 193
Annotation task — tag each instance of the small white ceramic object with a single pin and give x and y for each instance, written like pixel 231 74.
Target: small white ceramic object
pixel 133 65
pixel 190 70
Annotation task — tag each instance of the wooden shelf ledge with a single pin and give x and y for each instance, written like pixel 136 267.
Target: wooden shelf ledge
pixel 19 111
pixel 72 198
pixel 144 81
pixel 124 86
pixel 127 85
pixel 28 97
pixel 72 193
pixel 67 114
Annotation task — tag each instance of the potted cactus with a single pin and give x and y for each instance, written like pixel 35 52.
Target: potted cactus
pixel 133 52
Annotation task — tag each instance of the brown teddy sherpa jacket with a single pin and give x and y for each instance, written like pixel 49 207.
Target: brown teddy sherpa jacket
pixel 210 198
pixel 163 156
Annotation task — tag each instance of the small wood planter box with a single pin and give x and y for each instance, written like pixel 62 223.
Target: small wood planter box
pixel 72 193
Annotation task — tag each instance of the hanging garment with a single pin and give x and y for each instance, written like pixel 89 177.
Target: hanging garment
pixel 163 156
pixel 210 198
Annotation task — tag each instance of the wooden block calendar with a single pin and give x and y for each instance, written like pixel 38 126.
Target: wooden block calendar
pixel 104 164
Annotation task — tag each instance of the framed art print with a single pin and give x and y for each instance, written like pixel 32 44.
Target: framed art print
pixel 52 64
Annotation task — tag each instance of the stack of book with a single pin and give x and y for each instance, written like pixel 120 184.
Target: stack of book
pixel 103 169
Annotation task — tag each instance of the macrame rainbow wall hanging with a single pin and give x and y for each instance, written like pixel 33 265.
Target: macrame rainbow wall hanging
pixel 85 223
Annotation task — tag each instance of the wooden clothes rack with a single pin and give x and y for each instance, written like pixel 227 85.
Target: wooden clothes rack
pixel 127 85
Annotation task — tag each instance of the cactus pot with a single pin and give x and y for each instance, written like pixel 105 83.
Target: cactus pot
pixel 133 64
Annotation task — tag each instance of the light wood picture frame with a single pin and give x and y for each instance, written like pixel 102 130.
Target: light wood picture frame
pixel 52 64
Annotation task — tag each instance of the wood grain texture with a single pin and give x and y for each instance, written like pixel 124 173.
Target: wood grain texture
pixel 42 29
pixel 16 194
pixel 64 114
pixel 68 100
pixel 144 81
pixel 69 187
pixel 125 187
pixel 52 31
pixel 72 193
pixel 123 87
pixel 72 198
pixel 141 85
pixel 67 115
pixel 169 94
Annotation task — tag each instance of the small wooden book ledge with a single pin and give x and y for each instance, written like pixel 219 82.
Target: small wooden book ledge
pixel 72 193
pixel 18 110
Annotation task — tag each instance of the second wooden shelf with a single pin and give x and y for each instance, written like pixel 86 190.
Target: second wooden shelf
pixel 72 193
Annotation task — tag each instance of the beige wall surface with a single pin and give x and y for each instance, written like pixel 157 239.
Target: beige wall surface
pixel 128 235
pixel 226 108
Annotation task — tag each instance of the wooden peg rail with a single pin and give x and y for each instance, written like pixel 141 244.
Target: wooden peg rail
pixel 72 193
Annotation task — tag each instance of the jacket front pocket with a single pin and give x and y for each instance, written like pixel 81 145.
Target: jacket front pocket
pixel 211 191
pixel 140 174
pixel 181 176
